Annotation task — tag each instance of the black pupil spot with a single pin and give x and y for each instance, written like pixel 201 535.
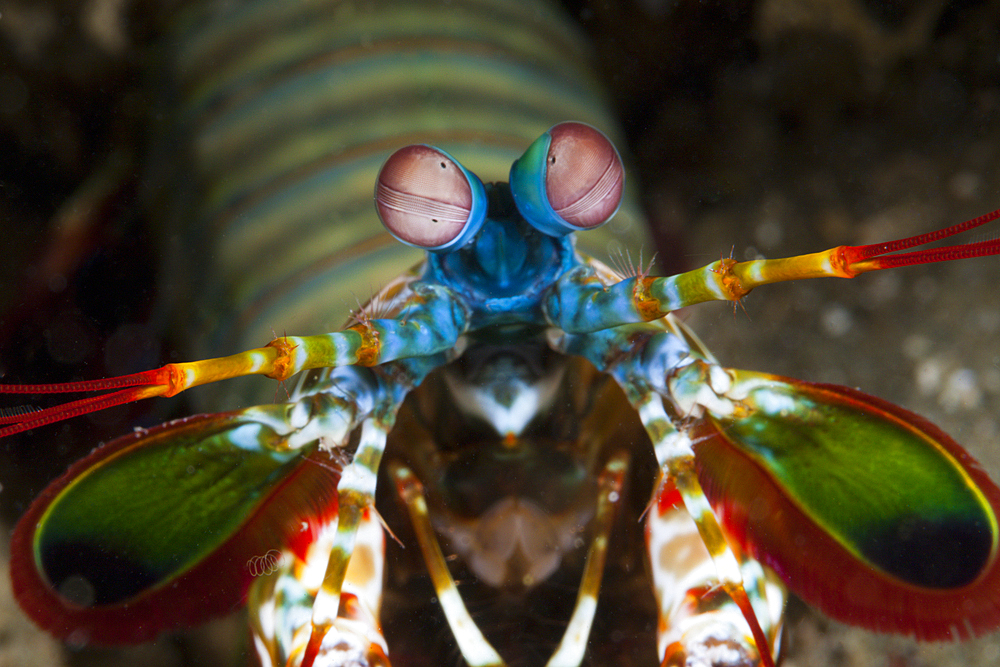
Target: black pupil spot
pixel 940 553
pixel 92 576
pixel 433 219
pixel 552 159
pixel 444 166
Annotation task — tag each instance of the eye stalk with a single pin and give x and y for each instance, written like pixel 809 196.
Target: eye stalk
pixel 426 199
pixel 570 179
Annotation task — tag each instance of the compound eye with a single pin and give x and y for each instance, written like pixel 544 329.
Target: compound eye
pixel 570 179
pixel 585 176
pixel 426 199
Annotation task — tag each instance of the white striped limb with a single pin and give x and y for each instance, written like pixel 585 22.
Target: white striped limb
pixel 675 455
pixel 475 648
pixel 699 624
pixel 281 600
pixel 574 641
pixel 662 361
pixel 356 495
pixel 645 359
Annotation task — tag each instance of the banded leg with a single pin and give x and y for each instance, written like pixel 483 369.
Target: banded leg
pixel 676 458
pixel 475 648
pixel 642 359
pixel 281 603
pixel 699 624
pixel 574 641
pixel 356 491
